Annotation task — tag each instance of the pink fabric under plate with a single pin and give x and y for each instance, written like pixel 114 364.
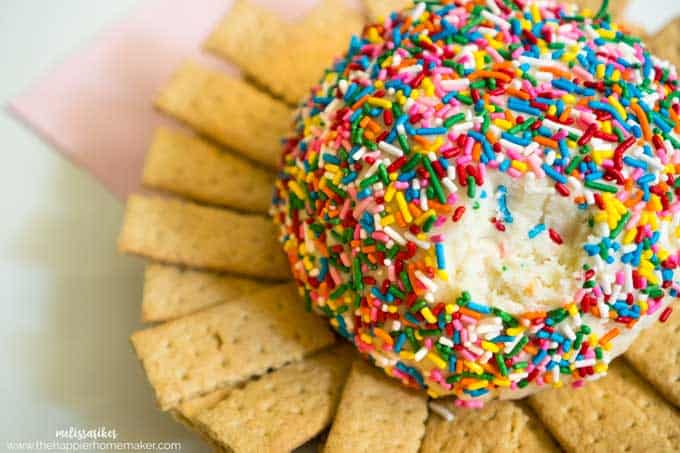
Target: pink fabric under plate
pixel 95 107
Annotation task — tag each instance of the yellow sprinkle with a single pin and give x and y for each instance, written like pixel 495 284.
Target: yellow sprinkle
pixel 599 71
pixel 629 235
pixel 557 384
pixel 643 306
pixel 618 107
pixel 535 13
pixel 572 309
pixel 406 355
pixel 427 314
pixel 434 358
pixel 429 87
pixel 433 393
pixel 403 207
pixel 451 308
pixel 379 102
pixel 569 99
pixel 606 34
pixel 477 385
pixel 487 345
pixel 514 331
pixel 601 368
pixel 373 35
pixel 474 367
pixel 519 165
pixel 443 275
pixel 503 124
pixel 424 216
pixel 389 193
pixel 387 220
pixel 501 382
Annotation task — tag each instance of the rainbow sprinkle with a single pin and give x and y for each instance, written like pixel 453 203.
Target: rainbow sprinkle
pixel 412 120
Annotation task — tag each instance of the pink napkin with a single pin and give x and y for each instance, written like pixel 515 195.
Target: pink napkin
pixel 95 108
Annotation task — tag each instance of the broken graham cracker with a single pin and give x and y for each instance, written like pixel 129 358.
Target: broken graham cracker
pixel 619 412
pixel 499 426
pixel 229 111
pixel 655 354
pixel 229 343
pixel 381 9
pixel 283 409
pixel 188 166
pixel 179 232
pixel 370 404
pixel 286 58
pixel 171 292
pixel 666 43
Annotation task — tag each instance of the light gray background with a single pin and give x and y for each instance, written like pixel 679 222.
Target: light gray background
pixel 68 300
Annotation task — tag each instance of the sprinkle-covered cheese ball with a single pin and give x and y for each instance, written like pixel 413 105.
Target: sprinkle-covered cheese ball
pixel 482 195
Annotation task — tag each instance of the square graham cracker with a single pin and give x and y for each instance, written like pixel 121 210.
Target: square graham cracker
pixel 499 426
pixel 227 110
pixel 190 167
pixel 286 58
pixel 229 343
pixel 655 354
pixel 619 412
pixel 171 292
pixel 377 413
pixel 283 409
pixel 178 232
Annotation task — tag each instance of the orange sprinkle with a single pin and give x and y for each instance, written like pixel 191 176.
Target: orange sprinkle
pixel 642 118
pixel 384 336
pixel 556 71
pixel 517 93
pixel 545 141
pixel 490 75
pixel 609 336
pixel 470 313
pixel 533 315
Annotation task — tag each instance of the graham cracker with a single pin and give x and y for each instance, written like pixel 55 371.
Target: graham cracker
pixel 500 426
pixel 380 9
pixel 655 354
pixel 666 43
pixel 377 414
pixel 286 58
pixel 282 410
pixel 179 232
pixel 188 166
pixel 229 343
pixel 171 292
pixel 229 111
pixel 187 411
pixel 619 412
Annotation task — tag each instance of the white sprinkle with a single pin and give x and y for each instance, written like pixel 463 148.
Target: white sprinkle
pixel 441 411
pixel 422 244
pixel 584 363
pixel 429 284
pixel 420 354
pixel 398 238
pixel 446 341
pixel 390 149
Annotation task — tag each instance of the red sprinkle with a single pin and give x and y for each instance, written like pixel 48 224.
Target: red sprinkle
pixel 458 213
pixel 555 236
pixel 665 314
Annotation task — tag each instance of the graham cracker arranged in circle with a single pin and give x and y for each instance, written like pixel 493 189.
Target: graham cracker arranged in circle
pixel 239 360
